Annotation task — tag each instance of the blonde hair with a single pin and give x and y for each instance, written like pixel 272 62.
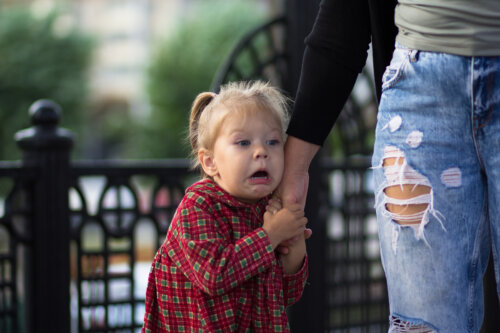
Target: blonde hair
pixel 209 111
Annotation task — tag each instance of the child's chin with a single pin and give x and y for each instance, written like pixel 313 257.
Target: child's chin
pixel 263 194
pixel 254 197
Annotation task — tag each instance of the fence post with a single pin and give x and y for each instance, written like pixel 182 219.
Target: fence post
pixel 47 147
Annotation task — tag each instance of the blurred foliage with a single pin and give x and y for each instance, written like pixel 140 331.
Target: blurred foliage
pixel 40 58
pixel 185 65
pixel 110 129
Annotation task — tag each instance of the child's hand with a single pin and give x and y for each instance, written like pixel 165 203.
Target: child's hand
pixel 274 205
pixel 284 247
pixel 285 223
pixel 294 258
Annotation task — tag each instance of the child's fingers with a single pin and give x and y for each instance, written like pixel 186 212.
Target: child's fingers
pixel 275 203
pixel 273 206
pixel 277 206
pixel 267 215
pixel 272 210
pixel 275 200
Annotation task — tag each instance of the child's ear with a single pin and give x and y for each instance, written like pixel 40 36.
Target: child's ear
pixel 207 162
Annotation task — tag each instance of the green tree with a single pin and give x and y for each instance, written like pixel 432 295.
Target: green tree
pixel 185 65
pixel 40 58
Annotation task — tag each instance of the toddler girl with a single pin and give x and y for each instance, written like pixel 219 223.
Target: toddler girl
pixel 217 270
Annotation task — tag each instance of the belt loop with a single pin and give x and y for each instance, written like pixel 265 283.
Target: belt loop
pixel 414 55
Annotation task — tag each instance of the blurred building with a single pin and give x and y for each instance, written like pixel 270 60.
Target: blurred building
pixel 125 32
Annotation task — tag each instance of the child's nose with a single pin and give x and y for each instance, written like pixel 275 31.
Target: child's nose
pixel 260 152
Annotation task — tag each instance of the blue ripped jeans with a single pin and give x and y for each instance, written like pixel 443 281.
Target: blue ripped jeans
pixel 436 167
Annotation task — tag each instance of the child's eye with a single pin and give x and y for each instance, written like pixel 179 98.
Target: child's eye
pixel 243 143
pixel 273 142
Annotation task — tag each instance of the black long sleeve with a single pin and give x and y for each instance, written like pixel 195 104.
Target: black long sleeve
pixel 336 51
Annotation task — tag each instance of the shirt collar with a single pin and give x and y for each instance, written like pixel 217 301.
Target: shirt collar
pixel 210 188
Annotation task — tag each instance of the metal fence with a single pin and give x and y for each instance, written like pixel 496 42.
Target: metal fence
pixel 119 214
pixel 77 238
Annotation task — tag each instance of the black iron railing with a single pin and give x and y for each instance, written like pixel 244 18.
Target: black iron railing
pixel 260 54
pixel 119 213
pixel 16 240
pixel 79 236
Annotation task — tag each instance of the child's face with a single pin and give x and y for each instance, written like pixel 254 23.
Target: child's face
pixel 247 159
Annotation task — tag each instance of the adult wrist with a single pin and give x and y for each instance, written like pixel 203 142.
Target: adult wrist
pixel 299 154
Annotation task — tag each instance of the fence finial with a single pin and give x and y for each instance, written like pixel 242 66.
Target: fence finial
pixel 45 111
pixel 44 134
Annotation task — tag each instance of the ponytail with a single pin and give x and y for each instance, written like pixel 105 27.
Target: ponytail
pixel 199 104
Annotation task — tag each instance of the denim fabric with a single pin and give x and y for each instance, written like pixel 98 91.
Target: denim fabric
pixel 440 115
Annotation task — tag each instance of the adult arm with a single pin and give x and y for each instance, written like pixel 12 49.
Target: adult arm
pixel 295 181
pixel 298 157
pixel 336 52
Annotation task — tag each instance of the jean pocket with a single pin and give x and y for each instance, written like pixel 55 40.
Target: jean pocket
pixel 394 71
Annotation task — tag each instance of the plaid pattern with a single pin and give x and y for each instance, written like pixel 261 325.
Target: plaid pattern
pixel 216 270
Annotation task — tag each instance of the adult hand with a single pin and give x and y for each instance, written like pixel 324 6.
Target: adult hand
pixel 295 182
pixel 298 157
pixel 293 187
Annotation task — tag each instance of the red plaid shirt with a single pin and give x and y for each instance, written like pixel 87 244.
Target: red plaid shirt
pixel 216 270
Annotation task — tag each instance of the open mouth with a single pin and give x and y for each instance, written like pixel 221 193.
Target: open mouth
pixel 260 175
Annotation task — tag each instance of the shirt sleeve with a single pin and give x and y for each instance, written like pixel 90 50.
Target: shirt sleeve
pixel 336 52
pixel 201 246
pixel 153 319
pixel 294 284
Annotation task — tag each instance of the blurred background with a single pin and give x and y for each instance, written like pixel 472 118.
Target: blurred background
pixel 124 71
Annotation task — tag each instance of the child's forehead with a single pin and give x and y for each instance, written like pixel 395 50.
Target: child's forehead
pixel 242 115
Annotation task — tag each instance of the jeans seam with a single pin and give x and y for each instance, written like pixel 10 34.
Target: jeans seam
pixel 472 118
pixel 474 266
pixel 495 262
